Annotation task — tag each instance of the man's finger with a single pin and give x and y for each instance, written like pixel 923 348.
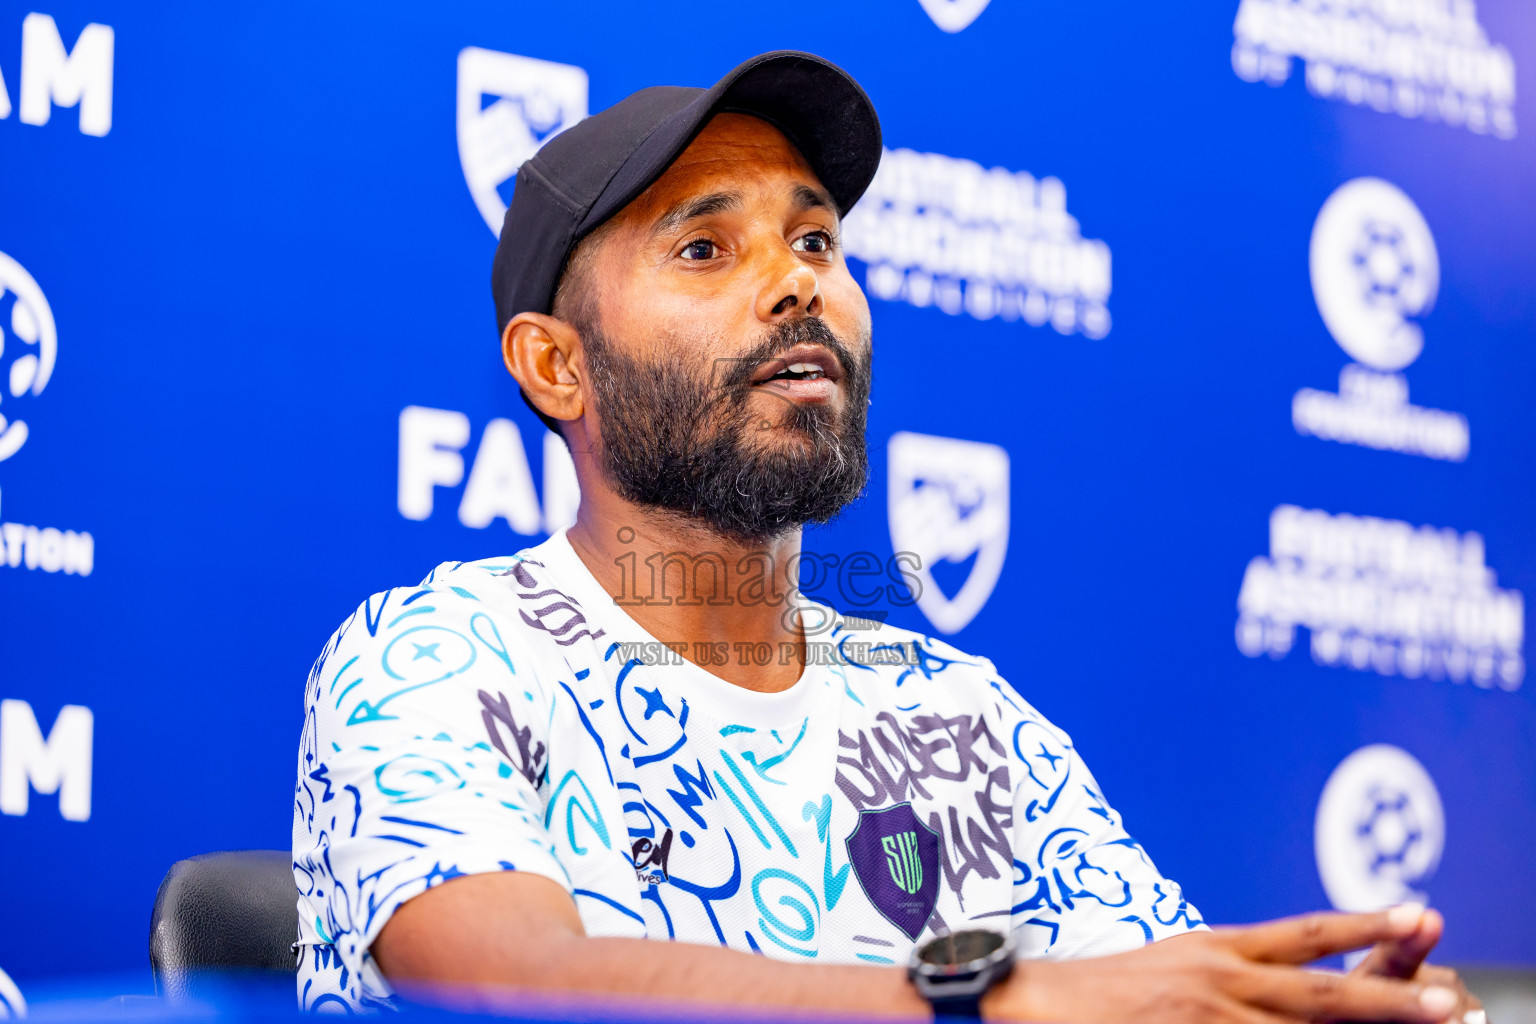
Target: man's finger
pixel 1230 1011
pixel 1446 977
pixel 1400 958
pixel 1331 996
pixel 1434 974
pixel 1300 940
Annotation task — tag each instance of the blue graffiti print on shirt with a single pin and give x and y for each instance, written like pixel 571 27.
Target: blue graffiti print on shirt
pixel 494 719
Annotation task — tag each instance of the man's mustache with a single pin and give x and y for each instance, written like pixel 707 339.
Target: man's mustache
pixel 735 372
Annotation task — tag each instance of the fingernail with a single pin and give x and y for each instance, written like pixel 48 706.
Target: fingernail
pixel 1475 1017
pixel 1405 915
pixel 1438 1001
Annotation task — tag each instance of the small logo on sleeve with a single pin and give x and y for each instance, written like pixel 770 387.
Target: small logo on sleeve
pixel 651 858
pixel 895 857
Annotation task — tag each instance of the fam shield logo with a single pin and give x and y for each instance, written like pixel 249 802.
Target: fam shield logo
pixel 954 15
pixel 29 344
pixel 509 106
pixel 12 1005
pixel 1374 268
pixel 1380 830
pixel 948 503
pixel 896 860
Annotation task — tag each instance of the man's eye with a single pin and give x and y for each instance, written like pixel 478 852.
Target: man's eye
pixel 816 242
pixel 702 249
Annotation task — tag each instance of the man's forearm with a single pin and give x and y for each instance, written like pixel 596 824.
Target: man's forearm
pixel 493 941
pixel 676 972
pixel 672 973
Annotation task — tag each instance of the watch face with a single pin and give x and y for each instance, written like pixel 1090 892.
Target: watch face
pixel 960 948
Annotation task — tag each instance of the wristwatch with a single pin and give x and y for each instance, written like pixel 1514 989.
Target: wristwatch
pixel 953 971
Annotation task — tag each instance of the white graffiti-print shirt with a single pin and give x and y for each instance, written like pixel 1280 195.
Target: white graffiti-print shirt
pixel 507 715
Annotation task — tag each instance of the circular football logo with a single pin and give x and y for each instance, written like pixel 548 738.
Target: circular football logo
pixel 1374 267
pixel 1380 829
pixel 29 344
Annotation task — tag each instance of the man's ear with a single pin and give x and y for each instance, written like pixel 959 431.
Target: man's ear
pixel 544 354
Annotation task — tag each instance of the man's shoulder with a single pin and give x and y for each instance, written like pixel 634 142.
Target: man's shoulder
pixel 484 580
pixel 479 600
pixel 918 670
pixel 525 569
pixel 906 660
pixel 865 640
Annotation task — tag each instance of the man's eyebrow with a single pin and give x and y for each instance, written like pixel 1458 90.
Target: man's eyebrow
pixel 699 206
pixel 804 196
pixel 807 198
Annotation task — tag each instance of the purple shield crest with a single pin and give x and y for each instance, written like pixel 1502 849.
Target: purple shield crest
pixel 895 857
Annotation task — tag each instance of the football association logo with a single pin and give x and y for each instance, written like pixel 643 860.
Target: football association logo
pixel 29 342
pixel 954 15
pixel 1380 830
pixel 1374 267
pixel 948 502
pixel 531 101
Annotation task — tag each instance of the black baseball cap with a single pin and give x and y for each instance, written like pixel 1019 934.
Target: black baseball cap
pixel 592 170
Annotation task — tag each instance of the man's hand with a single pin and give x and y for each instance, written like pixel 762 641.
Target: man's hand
pixel 1248 976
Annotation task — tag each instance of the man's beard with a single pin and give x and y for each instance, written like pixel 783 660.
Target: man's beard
pixel 682 439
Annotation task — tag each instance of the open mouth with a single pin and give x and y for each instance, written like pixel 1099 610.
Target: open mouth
pixel 799 371
pixel 801 363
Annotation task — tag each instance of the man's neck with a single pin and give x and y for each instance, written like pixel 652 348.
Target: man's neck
pixel 723 604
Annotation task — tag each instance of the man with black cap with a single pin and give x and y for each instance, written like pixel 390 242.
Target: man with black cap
pixel 515 774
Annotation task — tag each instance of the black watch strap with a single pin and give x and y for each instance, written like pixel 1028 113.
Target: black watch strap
pixel 957 1008
pixel 955 969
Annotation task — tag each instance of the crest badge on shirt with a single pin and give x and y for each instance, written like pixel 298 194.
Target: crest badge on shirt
pixel 895 857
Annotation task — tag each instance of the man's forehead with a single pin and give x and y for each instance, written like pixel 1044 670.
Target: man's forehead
pixel 731 136
pixel 735 153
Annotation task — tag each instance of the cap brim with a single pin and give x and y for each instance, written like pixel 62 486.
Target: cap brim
pixel 818 107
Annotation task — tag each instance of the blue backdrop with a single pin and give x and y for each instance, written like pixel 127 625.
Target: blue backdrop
pixel 1260 519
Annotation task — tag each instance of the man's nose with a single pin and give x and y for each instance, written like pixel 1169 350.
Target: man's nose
pixel 789 286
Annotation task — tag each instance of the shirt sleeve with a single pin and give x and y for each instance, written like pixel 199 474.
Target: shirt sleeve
pixel 1081 885
pixel 423 750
